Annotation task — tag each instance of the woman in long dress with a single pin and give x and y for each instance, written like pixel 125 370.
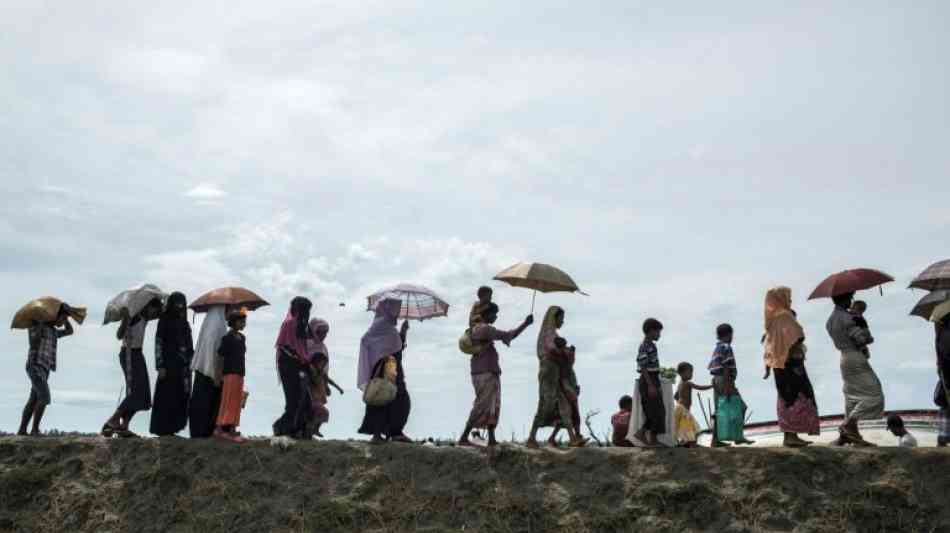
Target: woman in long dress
pixel 382 344
pixel 941 395
pixel 785 356
pixel 174 349
pixel 206 364
pixel 292 361
pixel 138 390
pixel 555 408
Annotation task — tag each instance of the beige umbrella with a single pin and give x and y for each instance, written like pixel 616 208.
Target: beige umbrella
pixel 45 309
pixel 539 277
pixel 940 312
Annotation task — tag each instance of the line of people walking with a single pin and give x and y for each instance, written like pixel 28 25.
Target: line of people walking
pixel 201 385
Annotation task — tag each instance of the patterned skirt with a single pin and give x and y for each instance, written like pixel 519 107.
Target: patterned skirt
pixel 800 417
pixel 487 405
pixel 943 424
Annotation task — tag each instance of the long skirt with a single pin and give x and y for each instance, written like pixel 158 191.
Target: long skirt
pixel 296 413
pixel 795 406
pixel 232 395
pixel 170 405
pixel 388 420
pixel 687 428
pixel 863 395
pixel 554 408
pixel 203 408
pixel 653 408
pixel 138 391
pixel 487 405
pixel 943 424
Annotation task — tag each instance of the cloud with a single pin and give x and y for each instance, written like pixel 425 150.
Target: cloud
pixel 206 192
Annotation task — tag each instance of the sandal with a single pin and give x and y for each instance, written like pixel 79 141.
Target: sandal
pixel 579 443
pixel 108 430
pixel 532 445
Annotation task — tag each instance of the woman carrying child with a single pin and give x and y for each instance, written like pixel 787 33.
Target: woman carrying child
pixel 785 355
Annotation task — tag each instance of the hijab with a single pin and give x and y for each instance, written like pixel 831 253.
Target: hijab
pixel 213 328
pixel 782 330
pixel 173 330
pixel 314 344
pixel 293 331
pixel 548 331
pixel 380 340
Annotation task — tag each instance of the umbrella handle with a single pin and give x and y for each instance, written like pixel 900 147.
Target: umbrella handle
pixel 533 295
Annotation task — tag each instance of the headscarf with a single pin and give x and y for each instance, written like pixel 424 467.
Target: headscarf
pixel 782 329
pixel 314 344
pixel 380 340
pixel 213 328
pixel 291 333
pixel 548 331
pixel 173 330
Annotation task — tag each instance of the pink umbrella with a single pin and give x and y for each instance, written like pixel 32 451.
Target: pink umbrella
pixel 418 302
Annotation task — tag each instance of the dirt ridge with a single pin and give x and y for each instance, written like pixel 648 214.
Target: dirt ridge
pixel 160 485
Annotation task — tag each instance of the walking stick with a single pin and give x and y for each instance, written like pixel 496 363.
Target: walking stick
pixel 702 408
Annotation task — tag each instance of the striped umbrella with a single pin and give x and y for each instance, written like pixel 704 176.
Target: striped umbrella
pixel 418 302
pixel 934 277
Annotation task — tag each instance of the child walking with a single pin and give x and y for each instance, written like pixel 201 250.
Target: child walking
pixel 687 429
pixel 233 351
pixel 729 419
pixel 651 396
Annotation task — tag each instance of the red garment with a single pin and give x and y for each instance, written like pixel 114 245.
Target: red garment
pixel 621 424
pixel 232 395
pixel 801 417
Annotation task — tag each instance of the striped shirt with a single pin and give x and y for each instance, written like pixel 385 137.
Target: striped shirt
pixel 722 360
pixel 648 358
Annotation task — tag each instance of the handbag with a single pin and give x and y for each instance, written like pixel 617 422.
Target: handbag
pixel 469 346
pixel 381 390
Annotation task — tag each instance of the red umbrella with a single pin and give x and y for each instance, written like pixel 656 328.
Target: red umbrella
pixel 228 296
pixel 854 280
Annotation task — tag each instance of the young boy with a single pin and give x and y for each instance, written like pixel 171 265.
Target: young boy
pixel 621 423
pixel 651 395
pixel 40 361
pixel 687 429
pixel 233 350
pixel 895 424
pixel 722 367
pixel 569 386
pixel 857 310
pixel 484 300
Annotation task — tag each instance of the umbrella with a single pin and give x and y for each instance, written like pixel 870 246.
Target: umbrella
pixel 228 296
pixel 934 277
pixel 847 281
pixel 44 309
pixel 539 277
pixel 940 312
pixel 132 300
pixel 925 307
pixel 418 302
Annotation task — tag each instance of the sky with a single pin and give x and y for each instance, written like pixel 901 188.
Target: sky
pixel 677 161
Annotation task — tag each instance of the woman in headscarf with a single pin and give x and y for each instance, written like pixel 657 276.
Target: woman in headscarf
pixel 318 379
pixel 863 395
pixel 380 343
pixel 207 364
pixel 292 361
pixel 785 356
pixel 554 405
pixel 138 390
pixel 174 349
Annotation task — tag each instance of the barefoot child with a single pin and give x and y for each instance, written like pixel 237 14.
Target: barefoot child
pixel 686 427
pixel 895 424
pixel 484 300
pixel 651 397
pixel 232 351
pixel 727 425
pixel 569 386
pixel 319 381
pixel 40 361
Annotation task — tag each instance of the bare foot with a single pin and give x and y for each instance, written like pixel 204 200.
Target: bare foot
pixel 532 444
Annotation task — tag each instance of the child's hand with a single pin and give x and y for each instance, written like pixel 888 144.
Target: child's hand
pixel 768 371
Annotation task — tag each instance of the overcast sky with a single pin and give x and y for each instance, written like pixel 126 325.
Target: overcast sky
pixel 677 162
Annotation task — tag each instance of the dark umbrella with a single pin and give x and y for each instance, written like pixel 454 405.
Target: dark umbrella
pixel 854 280
pixel 925 307
pixel 228 296
pixel 934 277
